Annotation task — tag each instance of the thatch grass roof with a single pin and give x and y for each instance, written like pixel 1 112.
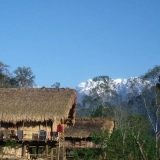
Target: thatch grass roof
pixel 84 127
pixel 35 104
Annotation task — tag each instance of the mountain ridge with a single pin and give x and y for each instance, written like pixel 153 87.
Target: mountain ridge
pixel 122 86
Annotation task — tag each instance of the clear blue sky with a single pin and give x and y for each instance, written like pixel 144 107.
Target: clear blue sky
pixel 70 41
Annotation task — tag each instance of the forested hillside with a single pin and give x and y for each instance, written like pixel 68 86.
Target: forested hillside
pixel 137 124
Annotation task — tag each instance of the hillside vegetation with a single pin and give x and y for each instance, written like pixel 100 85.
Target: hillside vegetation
pixel 137 124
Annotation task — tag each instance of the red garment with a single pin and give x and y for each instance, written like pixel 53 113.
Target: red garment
pixel 59 128
pixel 51 134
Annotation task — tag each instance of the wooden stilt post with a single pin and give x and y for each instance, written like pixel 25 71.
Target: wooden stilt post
pixel 51 153
pixel 57 152
pixel 24 150
pixel 46 130
pixel 63 139
pixel 16 151
pixel 52 129
pixel 46 151
pixel 23 130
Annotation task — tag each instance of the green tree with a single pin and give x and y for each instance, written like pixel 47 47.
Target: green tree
pixel 149 100
pixel 24 76
pixel 4 68
pixel 56 85
pixel 136 146
pixel 100 96
pixel 4 74
pixel 11 82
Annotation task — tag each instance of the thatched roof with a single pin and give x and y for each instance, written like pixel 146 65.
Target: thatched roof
pixel 84 127
pixel 35 104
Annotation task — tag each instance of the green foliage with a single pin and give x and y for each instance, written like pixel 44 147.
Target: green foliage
pixel 153 74
pixel 118 146
pixel 139 122
pixel 11 143
pixel 103 112
pixel 4 75
pixel 124 146
pixel 56 85
pixel 4 68
pixel 87 154
pixel 24 76
pixel 100 138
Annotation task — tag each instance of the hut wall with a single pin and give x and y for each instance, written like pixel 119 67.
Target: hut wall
pixel 30 129
pixel 11 153
pixel 77 143
pixel 90 145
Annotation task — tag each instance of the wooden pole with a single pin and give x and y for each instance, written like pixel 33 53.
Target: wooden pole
pixel 24 150
pixel 52 153
pixel 46 127
pixel 46 150
pixel 57 152
pixel 64 153
pixel 16 151
pixel 52 129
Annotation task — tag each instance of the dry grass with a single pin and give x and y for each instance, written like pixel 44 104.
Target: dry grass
pixel 35 104
pixel 84 127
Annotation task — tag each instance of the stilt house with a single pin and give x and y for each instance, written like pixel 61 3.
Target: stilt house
pixel 80 135
pixel 36 118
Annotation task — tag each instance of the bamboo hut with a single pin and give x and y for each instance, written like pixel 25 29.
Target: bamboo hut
pixel 33 116
pixel 79 135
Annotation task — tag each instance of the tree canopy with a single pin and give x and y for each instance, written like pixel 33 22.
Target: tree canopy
pixel 24 76
pixel 21 77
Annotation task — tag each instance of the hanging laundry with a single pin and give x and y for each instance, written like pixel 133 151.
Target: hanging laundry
pixel 51 134
pixel 42 134
pixel 20 134
pixel 59 128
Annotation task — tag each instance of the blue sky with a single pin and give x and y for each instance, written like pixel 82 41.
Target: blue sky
pixel 70 41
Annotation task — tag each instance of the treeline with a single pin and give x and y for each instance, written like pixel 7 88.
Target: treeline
pixel 21 77
pixel 137 124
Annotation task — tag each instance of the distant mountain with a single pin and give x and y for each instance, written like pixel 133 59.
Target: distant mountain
pixel 122 86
